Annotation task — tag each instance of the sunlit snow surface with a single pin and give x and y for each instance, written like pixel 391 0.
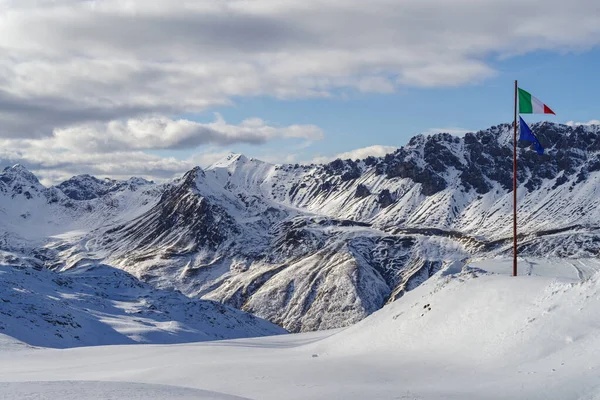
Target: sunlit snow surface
pixel 103 305
pixel 463 334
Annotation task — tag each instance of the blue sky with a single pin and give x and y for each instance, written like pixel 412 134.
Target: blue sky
pixel 567 82
pixel 152 88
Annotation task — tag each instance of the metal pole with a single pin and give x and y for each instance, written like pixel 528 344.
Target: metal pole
pixel 515 187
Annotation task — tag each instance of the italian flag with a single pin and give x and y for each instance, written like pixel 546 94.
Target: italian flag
pixel 530 105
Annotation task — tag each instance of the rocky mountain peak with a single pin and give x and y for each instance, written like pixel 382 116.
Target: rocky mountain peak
pixel 18 172
pixel 190 178
pixel 87 187
pixel 18 180
pixel 230 161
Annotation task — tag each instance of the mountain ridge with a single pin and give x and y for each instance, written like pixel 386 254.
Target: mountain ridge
pixel 324 245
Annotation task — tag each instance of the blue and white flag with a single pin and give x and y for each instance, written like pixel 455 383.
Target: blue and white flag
pixel 527 135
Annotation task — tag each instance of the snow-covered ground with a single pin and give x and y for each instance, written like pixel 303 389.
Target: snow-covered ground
pixel 463 334
pixel 101 305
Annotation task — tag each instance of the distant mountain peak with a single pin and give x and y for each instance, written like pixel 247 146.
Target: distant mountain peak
pixel 235 160
pixel 229 160
pixel 16 167
pixel 87 187
pixel 189 178
pixel 238 157
pixel 18 174
pixel 139 181
pixel 19 169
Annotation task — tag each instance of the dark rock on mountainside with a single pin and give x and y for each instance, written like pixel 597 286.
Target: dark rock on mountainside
pixel 362 191
pixel 184 219
pixel 486 160
pixel 86 187
pixel 385 199
pixel 17 180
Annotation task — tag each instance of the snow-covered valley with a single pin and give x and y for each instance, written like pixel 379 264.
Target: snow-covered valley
pixel 105 306
pixel 466 333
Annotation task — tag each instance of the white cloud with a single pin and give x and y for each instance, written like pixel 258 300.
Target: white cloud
pixel 165 133
pixel 72 62
pixel 278 158
pixel 357 154
pixel 591 122
pixel 115 149
pixel 446 74
pixel 374 151
pixel 53 166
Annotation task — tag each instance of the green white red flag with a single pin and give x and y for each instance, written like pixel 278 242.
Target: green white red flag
pixel 531 105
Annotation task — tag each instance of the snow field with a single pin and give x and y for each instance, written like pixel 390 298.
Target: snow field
pixel 471 334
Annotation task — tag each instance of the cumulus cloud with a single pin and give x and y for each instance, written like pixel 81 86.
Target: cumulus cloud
pixel 116 149
pixel 357 154
pixel 53 165
pixel 71 62
pixel 165 133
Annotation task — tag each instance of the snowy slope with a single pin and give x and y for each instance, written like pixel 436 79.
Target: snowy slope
pixel 103 305
pixel 96 303
pixel 33 213
pixel 466 333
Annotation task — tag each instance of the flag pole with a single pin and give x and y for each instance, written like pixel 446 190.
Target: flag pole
pixel 515 187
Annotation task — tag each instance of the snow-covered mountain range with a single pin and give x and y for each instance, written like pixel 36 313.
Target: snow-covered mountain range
pixel 315 246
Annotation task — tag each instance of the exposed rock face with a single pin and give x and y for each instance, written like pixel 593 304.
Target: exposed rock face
pixel 86 187
pixel 385 198
pixel 362 191
pixel 182 218
pixel 17 180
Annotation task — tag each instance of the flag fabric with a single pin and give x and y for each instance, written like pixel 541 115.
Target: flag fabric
pixel 527 135
pixel 530 105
